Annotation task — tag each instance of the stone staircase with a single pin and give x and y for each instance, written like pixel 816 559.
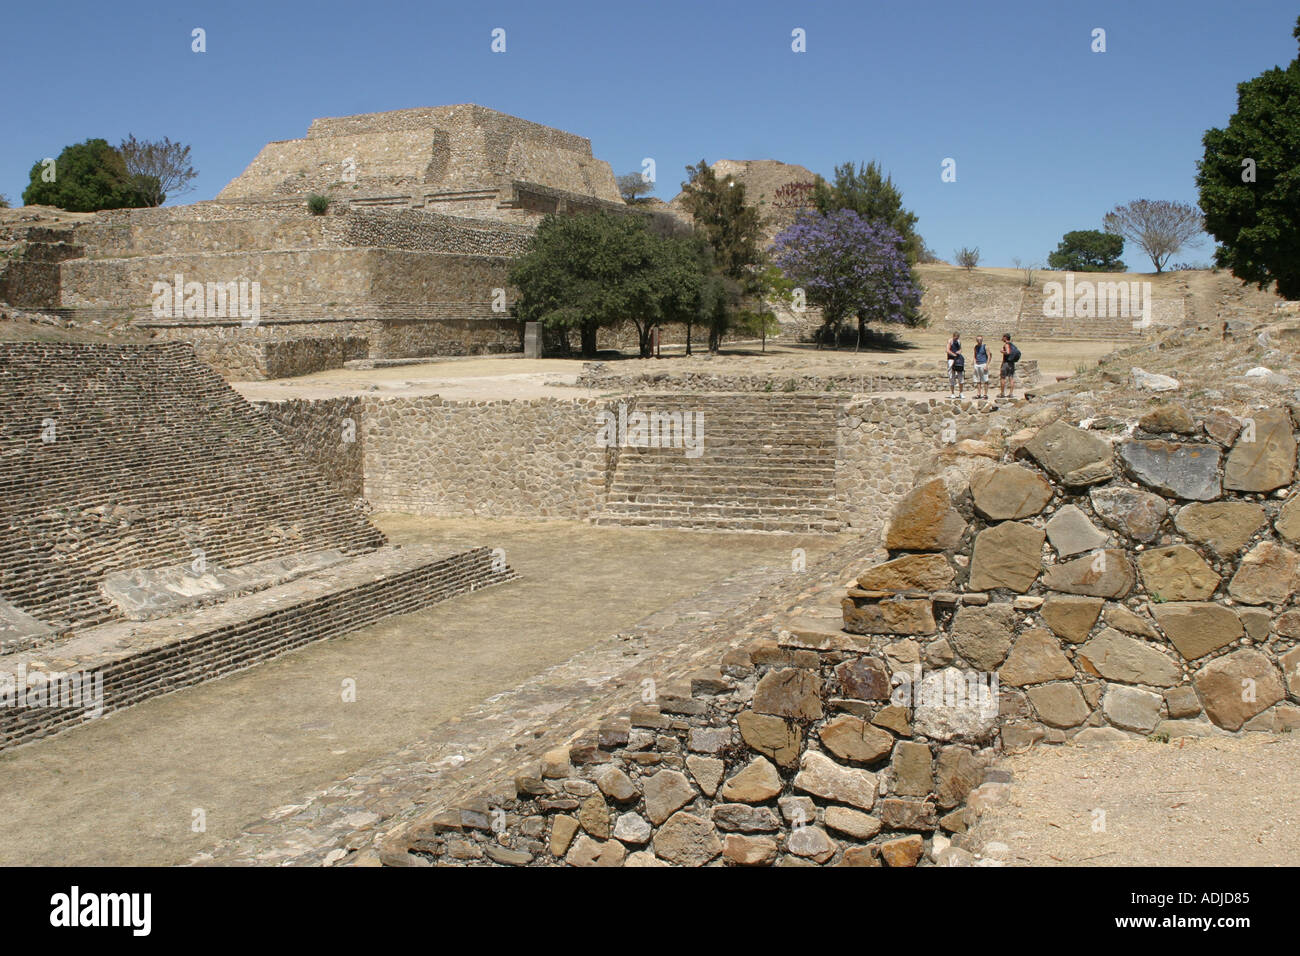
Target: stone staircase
pixel 1033 324
pixel 768 464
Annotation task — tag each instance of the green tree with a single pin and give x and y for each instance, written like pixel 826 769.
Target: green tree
pixel 84 178
pixel 1088 250
pixel 1249 181
pixel 600 269
pixel 634 187
pixel 677 283
pixel 756 317
pixel 734 230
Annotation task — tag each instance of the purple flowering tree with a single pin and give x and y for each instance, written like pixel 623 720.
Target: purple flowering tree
pixel 848 266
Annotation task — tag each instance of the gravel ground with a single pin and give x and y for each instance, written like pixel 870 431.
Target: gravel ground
pixel 1215 801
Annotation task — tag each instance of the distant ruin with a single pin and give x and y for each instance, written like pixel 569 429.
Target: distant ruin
pixel 460 160
pixel 428 208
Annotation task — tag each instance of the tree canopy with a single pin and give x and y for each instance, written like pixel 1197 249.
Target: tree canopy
pixel 872 195
pixel 600 269
pixel 634 187
pixel 1249 181
pixel 1088 250
pixel 849 265
pixel 86 177
pixel 1159 227
pixel 158 168
pixel 733 230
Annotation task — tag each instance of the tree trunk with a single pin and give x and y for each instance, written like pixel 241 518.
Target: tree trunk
pixel 589 340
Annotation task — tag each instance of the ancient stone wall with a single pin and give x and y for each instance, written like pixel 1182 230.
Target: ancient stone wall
pixel 883 442
pixel 1144 582
pixel 408 278
pixel 361 284
pixel 431 232
pixel 327 435
pixel 601 375
pixel 249 226
pixel 286 348
pixel 536 459
pixel 243 359
pixel 34 285
pixel 987 310
pixel 290 279
pixel 415 338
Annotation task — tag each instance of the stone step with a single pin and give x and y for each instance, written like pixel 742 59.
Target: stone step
pixel 632 502
pixel 778 525
pixel 734 466
pixel 707 485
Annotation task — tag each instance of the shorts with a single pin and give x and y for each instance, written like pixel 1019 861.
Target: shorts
pixel 981 373
pixel 1008 369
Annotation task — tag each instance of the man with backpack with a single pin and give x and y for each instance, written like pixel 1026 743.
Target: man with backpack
pixel 956 366
pixel 1010 356
pixel 981 368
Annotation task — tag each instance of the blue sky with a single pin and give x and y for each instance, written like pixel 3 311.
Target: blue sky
pixel 1047 135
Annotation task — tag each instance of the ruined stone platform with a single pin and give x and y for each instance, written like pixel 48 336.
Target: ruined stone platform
pixel 138 660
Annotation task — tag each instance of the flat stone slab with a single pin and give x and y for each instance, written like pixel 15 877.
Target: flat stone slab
pixel 1178 469
pixel 1071 455
pixel 1072 533
pixel 1009 491
pixel 146 593
pixel 1264 457
pixel 19 630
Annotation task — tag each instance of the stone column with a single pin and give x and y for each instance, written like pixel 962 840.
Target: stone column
pixel 532 340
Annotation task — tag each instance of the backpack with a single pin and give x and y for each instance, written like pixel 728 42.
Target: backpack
pixel 1014 355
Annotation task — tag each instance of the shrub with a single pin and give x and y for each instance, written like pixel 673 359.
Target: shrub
pixel 318 204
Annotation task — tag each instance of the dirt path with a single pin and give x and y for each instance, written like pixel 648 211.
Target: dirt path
pixel 1213 801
